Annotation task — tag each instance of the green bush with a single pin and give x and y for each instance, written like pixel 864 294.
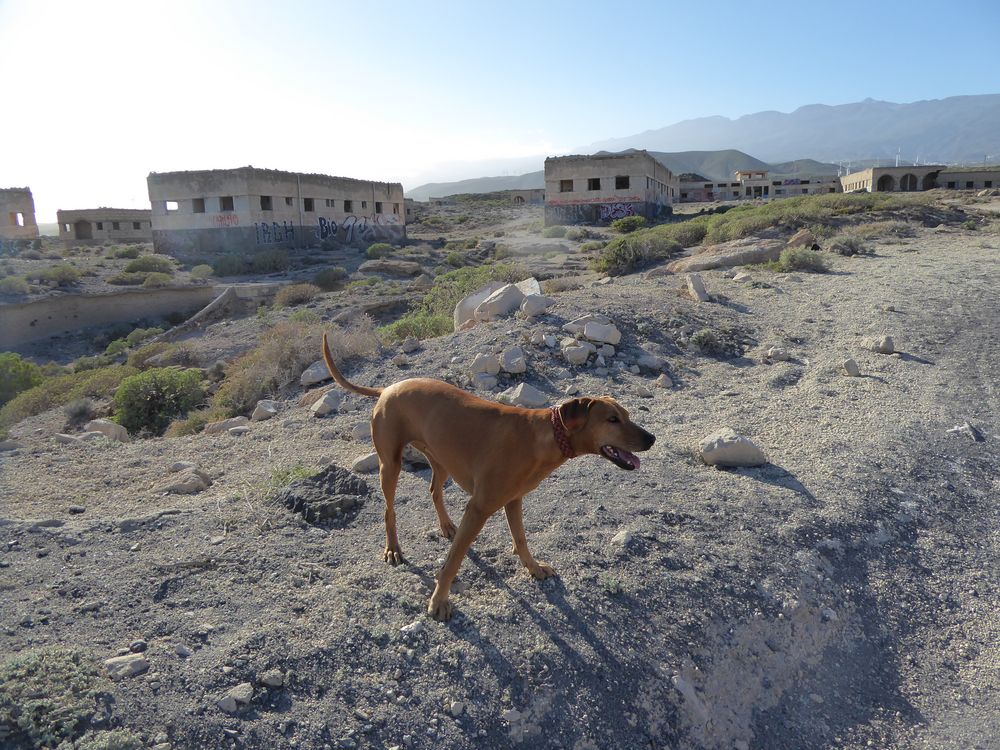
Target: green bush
pixel 378 250
pixel 849 245
pixel 556 231
pixel 50 696
pixel 201 271
pixel 60 389
pixel 128 279
pixel 420 324
pixel 79 411
pixel 801 259
pixel 230 265
pixel 576 234
pixel 126 252
pixel 455 259
pixel 116 739
pixel 17 375
pixel 707 342
pixel 156 280
pixel 149 401
pixel 60 275
pixel 13 285
pixel 970 224
pixel 150 263
pixel 295 294
pixel 304 316
pixel 116 347
pixel 628 224
pixel 141 334
pixel 624 254
pixel 329 278
pixel 269 261
pixel 592 247
pixel 92 363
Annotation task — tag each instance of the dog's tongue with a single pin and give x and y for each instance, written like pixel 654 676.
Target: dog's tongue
pixel 630 458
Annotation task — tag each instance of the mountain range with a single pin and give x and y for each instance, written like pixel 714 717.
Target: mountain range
pixel 958 129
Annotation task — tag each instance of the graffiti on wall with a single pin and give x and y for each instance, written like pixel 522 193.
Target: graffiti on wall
pixel 360 229
pixel 274 233
pixel 226 220
pixel 612 211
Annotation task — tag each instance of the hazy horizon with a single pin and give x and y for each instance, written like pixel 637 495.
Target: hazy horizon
pixel 111 91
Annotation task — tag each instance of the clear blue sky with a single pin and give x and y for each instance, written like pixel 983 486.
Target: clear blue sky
pixel 105 92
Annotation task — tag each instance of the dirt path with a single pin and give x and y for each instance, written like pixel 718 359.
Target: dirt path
pixel 843 596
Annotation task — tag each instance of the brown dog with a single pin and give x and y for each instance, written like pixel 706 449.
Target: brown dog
pixel 496 453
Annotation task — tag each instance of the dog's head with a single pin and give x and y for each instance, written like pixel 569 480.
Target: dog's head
pixel 603 427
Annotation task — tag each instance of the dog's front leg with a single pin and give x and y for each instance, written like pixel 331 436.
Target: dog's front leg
pixel 472 523
pixel 515 521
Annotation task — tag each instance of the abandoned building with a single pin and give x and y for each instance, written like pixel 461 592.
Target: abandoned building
pixel 95 226
pixel 924 177
pixel 754 185
pixel 17 214
pixel 600 188
pixel 206 213
pixel 528 197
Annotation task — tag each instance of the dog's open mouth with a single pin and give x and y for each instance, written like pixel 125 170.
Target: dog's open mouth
pixel 620 457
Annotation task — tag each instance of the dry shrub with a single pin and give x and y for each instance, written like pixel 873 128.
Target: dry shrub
pixel 873 230
pixel 561 284
pixel 278 360
pixel 295 294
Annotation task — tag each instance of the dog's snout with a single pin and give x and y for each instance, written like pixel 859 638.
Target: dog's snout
pixel 649 437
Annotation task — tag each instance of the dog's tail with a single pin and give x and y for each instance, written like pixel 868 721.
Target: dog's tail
pixel 343 382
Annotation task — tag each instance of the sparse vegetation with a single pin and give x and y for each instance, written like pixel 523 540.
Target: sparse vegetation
pixel 14 285
pixel 556 231
pixel 455 259
pixel 59 275
pixel 576 234
pixel 201 271
pixel 799 259
pixel 624 254
pixel 849 245
pixel 156 280
pixel 378 250
pixel 304 316
pixel 150 263
pixel 149 401
pixel 628 224
pixel 283 476
pixel 17 375
pixel 79 411
pixel 128 279
pixel 707 342
pixel 139 359
pixel 330 278
pixel 126 252
pixel 263 261
pixel 295 294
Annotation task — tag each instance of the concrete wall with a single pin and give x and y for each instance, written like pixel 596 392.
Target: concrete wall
pixel 94 226
pixel 652 188
pixel 192 217
pixel 892 179
pixel 17 214
pixel 969 179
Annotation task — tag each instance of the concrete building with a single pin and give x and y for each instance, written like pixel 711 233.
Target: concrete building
pixel 892 179
pixel 754 185
pixel 600 188
pixel 212 212
pixel 17 214
pixel 94 226
pixel 529 197
pixel 968 178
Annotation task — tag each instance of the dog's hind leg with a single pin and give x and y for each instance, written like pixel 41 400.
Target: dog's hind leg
pixel 438 478
pixel 515 522
pixel 473 519
pixel 390 464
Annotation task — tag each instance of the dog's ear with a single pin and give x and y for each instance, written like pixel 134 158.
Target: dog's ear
pixel 574 413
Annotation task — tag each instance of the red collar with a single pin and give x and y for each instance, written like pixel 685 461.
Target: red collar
pixel 559 430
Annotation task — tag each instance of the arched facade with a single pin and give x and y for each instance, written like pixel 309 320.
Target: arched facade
pixel 908 183
pixel 886 183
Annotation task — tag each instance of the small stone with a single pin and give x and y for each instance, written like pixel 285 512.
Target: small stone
pixel 537 338
pixel 623 538
pixel 187 483
pixel 239 431
pixel 663 381
pixel 485 363
pixel 110 430
pixel 456 709
pixel 777 354
pixel 182 651
pixel 182 466
pixel 634 369
pixel 76 510
pixel 536 304
pixel 513 361
pixel 576 326
pixel 362 431
pixel 599 361
pixel 742 277
pixel 484 382
pixel 606 350
pixel 601 332
pixel 327 404
pixel 643 392
pixel 576 355
pixel 524 395
pixel 725 447
pixel 851 368
pixel 572 389
pixel 273 678
pixel 549 340
pixel 880 344
pixel 409 345
pixel 62 437
pixel 511 715
pixel 214 428
pixel 265 409
pixel 317 372
pixel 413 628
pixel 120 667
pixel 401 360
pixel 242 693
pixel 366 464
pixel 696 288
pixel 228 704
pixel 138 646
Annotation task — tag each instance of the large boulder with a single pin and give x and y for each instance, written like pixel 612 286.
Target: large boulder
pixel 188 482
pixel 329 403
pixel 529 286
pixel 736 253
pixel 487 363
pixel 524 395
pixel 214 428
pixel 317 372
pixel 802 238
pixel 725 447
pixel 536 304
pixel 110 430
pixel 605 333
pixel 696 288
pixel 265 409
pixel 390 267
pixel 466 308
pixel 503 301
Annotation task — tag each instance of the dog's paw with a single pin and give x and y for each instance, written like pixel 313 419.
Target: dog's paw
pixel 448 530
pixel 440 611
pixel 393 556
pixel 541 571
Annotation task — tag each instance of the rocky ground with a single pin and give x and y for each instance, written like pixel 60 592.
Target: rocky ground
pixel 843 595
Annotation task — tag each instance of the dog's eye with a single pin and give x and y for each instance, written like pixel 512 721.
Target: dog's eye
pixel 612 418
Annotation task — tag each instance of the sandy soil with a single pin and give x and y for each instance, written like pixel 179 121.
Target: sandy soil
pixel 842 596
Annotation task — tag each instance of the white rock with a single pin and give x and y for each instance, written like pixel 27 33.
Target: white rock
pixel 466 308
pixel 725 447
pixel 623 538
pixel 742 277
pixel 242 693
pixel 315 373
pixel 513 361
pixel 529 286
pixel 643 392
pixel 571 389
pixel 696 288
pixel 182 651
pixel 512 715
pixel 503 301
pixel 524 395
pixel 649 360
pixel 265 409
pixel 456 709
pixel 537 338
pixel 607 350
pixel 401 360
pixel 273 678
pixel 362 431
pixel 606 333
pixel 110 430
pixel 62 437
pixel 214 428
pixel 327 403
pixel 488 363
pixel 484 381
pixel 366 464
pixel 777 354
pixel 89 437
pixel 409 345
pixel 575 327
pixel 576 355
pixel 413 628
pixel 634 369
pixel 227 703
pixel 663 381
pixel 880 344
pixel 238 431
pixel 550 341
pixel 422 282
pixel 130 665
pixel 188 482
pixel 851 368
pixel 182 466
pixel 536 304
